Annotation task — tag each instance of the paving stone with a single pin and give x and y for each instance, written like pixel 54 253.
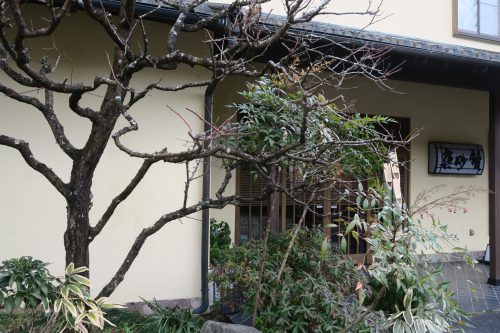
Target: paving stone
pixel 216 327
pixel 485 323
pixel 470 285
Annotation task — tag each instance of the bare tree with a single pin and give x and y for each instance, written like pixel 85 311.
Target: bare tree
pixel 308 64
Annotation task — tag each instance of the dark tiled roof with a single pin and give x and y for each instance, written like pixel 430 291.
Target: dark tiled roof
pixel 401 43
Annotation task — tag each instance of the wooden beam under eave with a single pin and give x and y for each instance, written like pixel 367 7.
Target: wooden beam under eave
pixel 494 187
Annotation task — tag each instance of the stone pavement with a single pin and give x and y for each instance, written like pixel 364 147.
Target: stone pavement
pixel 470 284
pixel 475 295
pixel 488 322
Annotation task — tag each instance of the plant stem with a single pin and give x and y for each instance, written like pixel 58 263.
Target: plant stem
pixel 294 236
pixel 368 310
pixel 262 264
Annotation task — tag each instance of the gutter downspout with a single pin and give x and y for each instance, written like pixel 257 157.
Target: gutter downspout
pixel 205 215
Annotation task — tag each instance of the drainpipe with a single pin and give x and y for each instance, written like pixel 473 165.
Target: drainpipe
pixel 205 216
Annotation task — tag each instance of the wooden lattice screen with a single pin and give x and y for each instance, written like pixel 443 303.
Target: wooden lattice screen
pixel 251 218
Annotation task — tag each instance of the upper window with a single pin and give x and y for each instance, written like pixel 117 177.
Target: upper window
pixel 478 18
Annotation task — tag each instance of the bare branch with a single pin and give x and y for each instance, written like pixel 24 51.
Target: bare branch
pixel 101 16
pixel 174 31
pixel 24 149
pixel 147 232
pixel 95 231
pixel 56 126
pixel 86 112
pixel 48 112
pixel 135 97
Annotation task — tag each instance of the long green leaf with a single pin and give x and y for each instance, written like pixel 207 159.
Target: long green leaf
pixel 343 244
pixel 95 319
pixel 70 307
pixel 81 279
pixel 70 269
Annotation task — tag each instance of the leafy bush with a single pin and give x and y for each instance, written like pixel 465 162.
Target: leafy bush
pixel 126 321
pixel 170 320
pixel 316 292
pixel 26 283
pixel 220 240
pixel 272 115
pixel 418 299
pixel 393 296
pixel 77 306
pixel 322 291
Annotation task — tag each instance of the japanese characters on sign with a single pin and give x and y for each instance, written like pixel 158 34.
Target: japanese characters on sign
pixel 453 158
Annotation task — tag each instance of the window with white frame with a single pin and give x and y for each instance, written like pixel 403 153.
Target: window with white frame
pixel 478 18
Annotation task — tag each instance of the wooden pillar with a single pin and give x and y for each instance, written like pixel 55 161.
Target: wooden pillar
pixel 494 185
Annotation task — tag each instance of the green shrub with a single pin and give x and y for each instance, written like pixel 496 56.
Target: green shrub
pixel 271 118
pixel 322 291
pixel 393 297
pixel 170 320
pixel 416 299
pixel 26 283
pixel 220 240
pixel 316 292
pixel 75 307
pixel 126 321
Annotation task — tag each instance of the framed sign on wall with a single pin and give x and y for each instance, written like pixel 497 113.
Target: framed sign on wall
pixel 455 158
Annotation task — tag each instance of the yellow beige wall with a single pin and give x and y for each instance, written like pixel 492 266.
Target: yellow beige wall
pixel 447 115
pixel 33 214
pixel 425 19
pixel 443 114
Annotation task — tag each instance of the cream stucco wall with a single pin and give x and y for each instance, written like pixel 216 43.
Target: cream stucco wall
pixel 443 114
pixel 447 115
pixel 33 214
pixel 426 19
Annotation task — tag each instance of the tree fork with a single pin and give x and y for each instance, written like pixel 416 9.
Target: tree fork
pixel 77 237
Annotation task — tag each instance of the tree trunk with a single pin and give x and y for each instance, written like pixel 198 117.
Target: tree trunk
pixel 79 201
pixel 76 237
